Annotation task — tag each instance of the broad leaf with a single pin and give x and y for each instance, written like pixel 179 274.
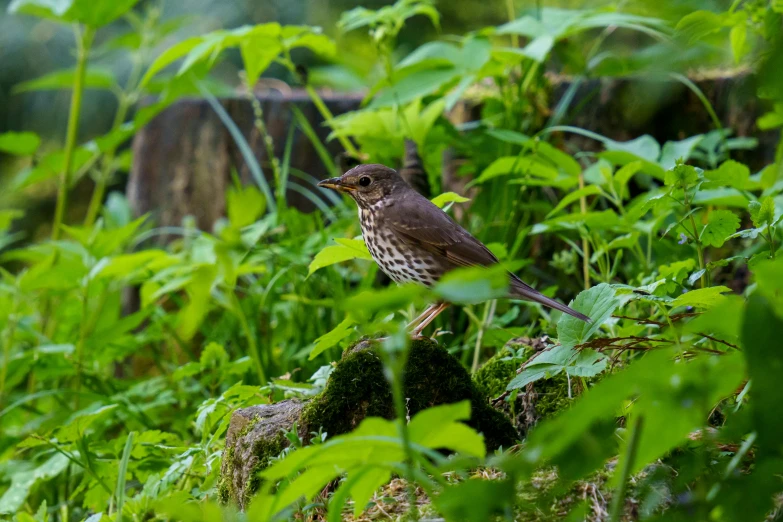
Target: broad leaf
pixel 598 303
pixel 346 250
pixel 702 298
pixel 87 12
pixel 19 143
pixel 720 225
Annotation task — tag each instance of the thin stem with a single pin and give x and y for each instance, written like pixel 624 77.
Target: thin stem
pixel 260 125
pixel 8 342
pixel 251 340
pixel 489 312
pixel 699 248
pixel 619 497
pixel 585 245
pixel 83 43
pixel 511 17
pixel 125 100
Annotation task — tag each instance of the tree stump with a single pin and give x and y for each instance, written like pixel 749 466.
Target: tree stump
pixel 356 389
pixel 185 156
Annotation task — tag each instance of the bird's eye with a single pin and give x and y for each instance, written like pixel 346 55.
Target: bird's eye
pixel 365 181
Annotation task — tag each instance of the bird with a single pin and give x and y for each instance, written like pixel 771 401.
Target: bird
pixel 412 240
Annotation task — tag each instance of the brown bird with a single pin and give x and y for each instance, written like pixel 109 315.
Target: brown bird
pixel 413 240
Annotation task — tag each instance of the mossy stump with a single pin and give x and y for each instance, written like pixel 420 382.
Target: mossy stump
pixel 356 389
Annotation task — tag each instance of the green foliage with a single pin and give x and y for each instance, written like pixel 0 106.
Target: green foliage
pixel 113 413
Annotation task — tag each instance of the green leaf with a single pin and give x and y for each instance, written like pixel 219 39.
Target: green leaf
pixel 573 197
pixel 644 147
pixel 681 176
pixel 519 166
pixel 624 175
pixel 7 217
pixel 245 205
pixel 720 225
pixel 700 24
pixel 19 143
pixel 414 85
pixel 761 346
pixel 598 303
pixel 337 334
pixel 448 197
pixel 762 214
pixel 702 298
pixel 87 12
pixel 740 46
pixel 729 174
pixel 438 427
pixel 679 150
pixel 346 250
pixel 94 79
pixel 21 483
pixel 388 299
pixel 473 285
pixel 76 427
pixel 169 56
pixel 769 281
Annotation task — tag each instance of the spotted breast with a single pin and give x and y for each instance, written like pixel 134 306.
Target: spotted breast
pixel 402 263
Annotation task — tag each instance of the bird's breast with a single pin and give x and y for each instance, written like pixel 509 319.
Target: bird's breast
pixel 402 262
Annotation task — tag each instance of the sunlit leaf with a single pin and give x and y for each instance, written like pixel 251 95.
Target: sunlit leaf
pixel 19 143
pixel 88 12
pixel 329 339
pixel 346 250
pixel 703 297
pixel 94 78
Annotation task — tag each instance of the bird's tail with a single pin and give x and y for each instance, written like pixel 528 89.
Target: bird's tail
pixel 521 290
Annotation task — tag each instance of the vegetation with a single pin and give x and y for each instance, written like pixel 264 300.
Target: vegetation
pixel 667 403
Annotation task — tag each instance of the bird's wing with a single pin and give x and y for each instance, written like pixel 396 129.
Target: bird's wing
pixel 420 223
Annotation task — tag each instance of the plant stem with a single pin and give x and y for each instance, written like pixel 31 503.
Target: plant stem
pixel 699 248
pixel 124 103
pixel 8 342
pixel 585 245
pixel 251 340
pixel 619 497
pixel 83 43
pixel 489 312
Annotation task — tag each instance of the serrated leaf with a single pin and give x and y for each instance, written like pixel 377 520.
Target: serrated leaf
pixel 702 298
pixel 681 176
pixel 598 303
pixel 720 225
pixel 762 213
pixel 729 174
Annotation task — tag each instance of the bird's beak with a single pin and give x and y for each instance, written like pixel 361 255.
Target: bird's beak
pixel 335 184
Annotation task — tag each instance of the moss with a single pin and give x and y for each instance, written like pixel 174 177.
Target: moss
pixel 552 396
pixel 495 374
pixel 358 388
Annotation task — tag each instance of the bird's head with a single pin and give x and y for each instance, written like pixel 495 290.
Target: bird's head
pixel 367 184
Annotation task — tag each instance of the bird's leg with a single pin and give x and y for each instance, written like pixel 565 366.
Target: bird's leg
pixel 421 317
pixel 416 332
